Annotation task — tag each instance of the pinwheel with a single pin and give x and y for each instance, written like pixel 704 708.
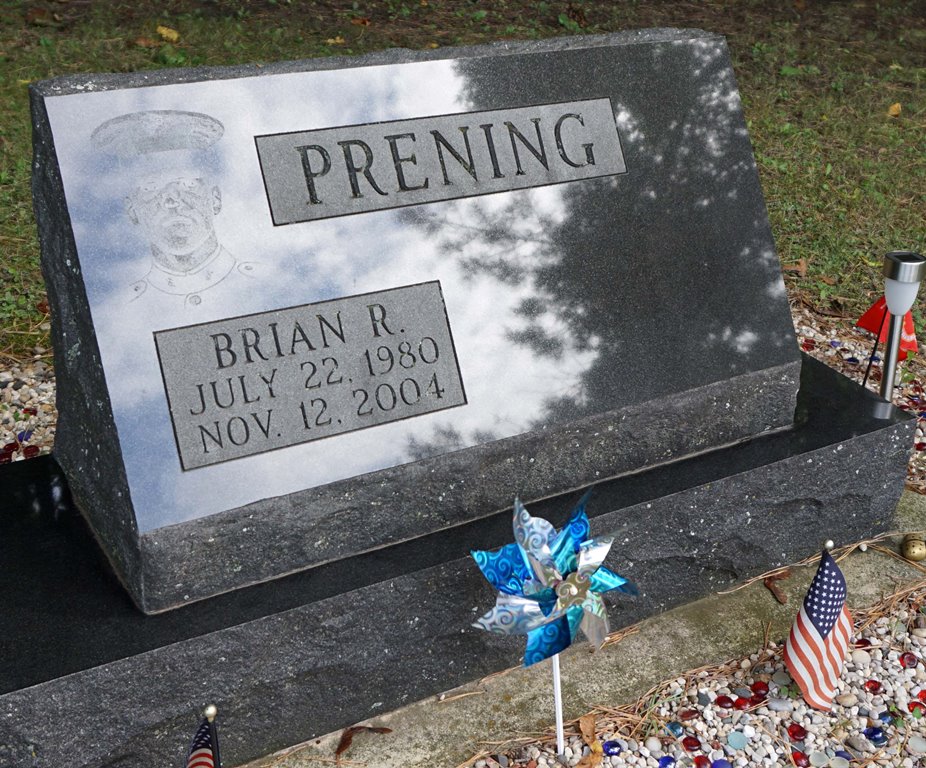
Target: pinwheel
pixel 549 586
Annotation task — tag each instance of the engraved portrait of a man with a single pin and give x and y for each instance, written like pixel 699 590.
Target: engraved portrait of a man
pixel 168 155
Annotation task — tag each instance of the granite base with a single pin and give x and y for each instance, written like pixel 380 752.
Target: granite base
pixel 90 681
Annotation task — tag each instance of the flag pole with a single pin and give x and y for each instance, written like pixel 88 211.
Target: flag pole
pixel 558 706
pixel 209 713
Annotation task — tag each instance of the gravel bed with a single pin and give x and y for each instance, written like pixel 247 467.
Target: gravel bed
pixel 747 713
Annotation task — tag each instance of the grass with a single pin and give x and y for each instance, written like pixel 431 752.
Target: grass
pixel 844 180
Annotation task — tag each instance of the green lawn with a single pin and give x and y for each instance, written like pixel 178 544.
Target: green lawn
pixel 833 92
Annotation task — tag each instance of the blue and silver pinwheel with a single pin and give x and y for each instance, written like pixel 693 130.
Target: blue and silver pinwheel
pixel 550 584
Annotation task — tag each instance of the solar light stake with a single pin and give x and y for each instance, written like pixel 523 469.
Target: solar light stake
pixel 903 272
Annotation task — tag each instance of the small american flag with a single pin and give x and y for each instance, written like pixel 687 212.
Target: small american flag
pixel 816 648
pixel 201 754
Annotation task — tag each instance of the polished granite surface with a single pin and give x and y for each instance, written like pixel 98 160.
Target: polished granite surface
pixel 61 610
pixel 566 297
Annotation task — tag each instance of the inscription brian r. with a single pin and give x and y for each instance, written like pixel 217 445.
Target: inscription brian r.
pixel 245 385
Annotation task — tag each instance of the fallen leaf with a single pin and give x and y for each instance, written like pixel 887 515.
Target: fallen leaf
pixel 894 110
pixel 593 759
pixel 335 40
pixel 168 34
pixel 800 267
pixel 828 280
pixel 772 587
pixel 361 21
pixel 432 45
pixel 348 736
pixel 42 17
pixel 146 42
pixel 587 728
pixel 42 306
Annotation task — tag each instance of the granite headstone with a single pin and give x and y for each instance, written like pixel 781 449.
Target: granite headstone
pixel 556 303
pixel 336 305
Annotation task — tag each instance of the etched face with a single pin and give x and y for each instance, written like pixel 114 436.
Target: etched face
pixel 176 213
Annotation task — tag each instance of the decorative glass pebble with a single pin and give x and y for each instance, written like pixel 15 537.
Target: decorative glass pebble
pixel 721 763
pixel 873 687
pixel 819 759
pixel 844 755
pixel 797 732
pixel 756 699
pixel 702 761
pixel 665 762
pixel 691 714
pixel 759 688
pixel 852 360
pixel 675 728
pixel 875 736
pixel 908 660
pixel 30 451
pixel 737 740
pixel 917 706
pixel 885 716
pixel 741 703
pixel 922 695
pixel 800 759
pixel 691 743
pixel 863 642
pixel 724 702
pixel 612 748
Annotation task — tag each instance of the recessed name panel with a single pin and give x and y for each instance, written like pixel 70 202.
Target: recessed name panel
pixel 330 172
pixel 246 385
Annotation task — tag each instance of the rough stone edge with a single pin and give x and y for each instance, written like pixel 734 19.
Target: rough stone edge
pixel 69 84
pixel 400 636
pixel 86 431
pixel 204 557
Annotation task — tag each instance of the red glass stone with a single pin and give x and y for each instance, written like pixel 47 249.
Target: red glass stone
pixel 11 447
pixel 691 743
pixel 688 714
pixel 5 458
pixel 759 687
pixel 913 706
pixel 31 451
pixel 30 410
pixel 702 762
pixel 800 759
pixel 873 687
pixel 908 660
pixel 741 703
pixel 920 446
pixel 863 642
pixel 922 695
pixel 808 344
pixel 724 702
pixel 796 732
pixel 756 700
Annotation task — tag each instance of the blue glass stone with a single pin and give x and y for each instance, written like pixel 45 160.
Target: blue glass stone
pixel 721 763
pixel 24 435
pixel 612 748
pixel 844 755
pixel 737 740
pixel 835 344
pixel 875 736
pixel 876 358
pixel 853 360
pixel 666 762
pixel 675 728
pixel 885 716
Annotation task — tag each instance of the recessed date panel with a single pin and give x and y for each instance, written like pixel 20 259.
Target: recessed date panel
pixel 245 385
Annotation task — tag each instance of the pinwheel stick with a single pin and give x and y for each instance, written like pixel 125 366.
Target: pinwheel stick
pixel 558 706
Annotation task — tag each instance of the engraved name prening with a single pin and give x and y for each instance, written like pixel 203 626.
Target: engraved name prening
pixel 245 385
pixel 319 174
